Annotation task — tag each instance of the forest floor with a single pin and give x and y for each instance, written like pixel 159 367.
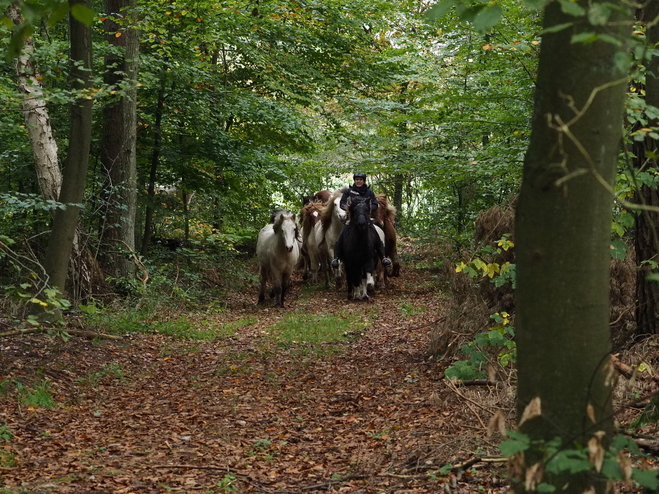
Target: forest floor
pixel 243 412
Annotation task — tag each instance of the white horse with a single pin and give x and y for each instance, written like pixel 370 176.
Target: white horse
pixel 278 249
pixel 328 229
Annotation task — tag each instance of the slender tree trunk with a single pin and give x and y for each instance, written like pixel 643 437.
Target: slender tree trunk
pixel 399 181
pixel 37 119
pixel 155 159
pixel 65 221
pixel 563 234
pixel 118 153
pixel 647 222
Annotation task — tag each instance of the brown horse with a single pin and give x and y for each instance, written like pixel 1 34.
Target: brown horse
pixel 385 215
pixel 321 196
pixel 317 201
pixel 312 262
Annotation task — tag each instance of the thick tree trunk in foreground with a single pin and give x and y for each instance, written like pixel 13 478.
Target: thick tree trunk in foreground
pixel 647 222
pixel 118 153
pixel 75 170
pixel 563 232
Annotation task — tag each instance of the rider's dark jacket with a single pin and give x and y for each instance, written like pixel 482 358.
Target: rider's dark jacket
pixel 363 191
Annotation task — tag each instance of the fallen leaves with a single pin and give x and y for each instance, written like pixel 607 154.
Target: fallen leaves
pixel 186 416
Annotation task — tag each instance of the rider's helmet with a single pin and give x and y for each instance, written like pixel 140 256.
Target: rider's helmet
pixel 359 175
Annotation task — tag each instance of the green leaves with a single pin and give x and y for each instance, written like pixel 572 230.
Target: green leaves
pixel 487 18
pixel 483 16
pixel 83 14
pixel 516 443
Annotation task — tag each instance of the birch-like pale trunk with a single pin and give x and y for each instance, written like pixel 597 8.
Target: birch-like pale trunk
pixel 37 119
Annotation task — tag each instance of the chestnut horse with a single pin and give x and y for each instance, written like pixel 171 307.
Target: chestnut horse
pixel 310 251
pixel 385 215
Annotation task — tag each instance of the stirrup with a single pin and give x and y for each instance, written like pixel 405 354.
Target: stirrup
pixel 335 263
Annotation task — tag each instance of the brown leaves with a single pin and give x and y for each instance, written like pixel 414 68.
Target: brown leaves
pixel 187 415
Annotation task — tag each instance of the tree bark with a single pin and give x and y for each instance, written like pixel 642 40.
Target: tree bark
pixel 563 232
pixel 155 159
pixel 74 175
pixel 118 145
pixel 37 119
pixel 646 241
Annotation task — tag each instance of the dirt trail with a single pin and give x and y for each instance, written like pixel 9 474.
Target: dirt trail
pixel 241 414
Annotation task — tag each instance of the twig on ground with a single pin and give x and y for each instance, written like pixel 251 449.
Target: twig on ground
pixel 455 390
pixel 482 382
pixel 478 459
pixel 323 485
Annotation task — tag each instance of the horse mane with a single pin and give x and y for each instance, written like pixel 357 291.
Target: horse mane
pixel 278 216
pixel 322 196
pixel 385 211
pixel 275 213
pixel 308 218
pixel 328 210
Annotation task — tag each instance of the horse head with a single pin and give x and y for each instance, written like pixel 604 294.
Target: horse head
pixel 360 211
pixel 286 228
pixel 338 212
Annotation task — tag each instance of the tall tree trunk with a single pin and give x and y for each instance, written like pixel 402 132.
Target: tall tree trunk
pixel 37 119
pixel 84 270
pixel 399 182
pixel 155 159
pixel 118 153
pixel 65 221
pixel 647 222
pixel 563 234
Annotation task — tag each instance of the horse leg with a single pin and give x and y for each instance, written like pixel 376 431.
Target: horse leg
pixel 380 276
pixel 264 277
pixel 314 263
pixel 306 270
pixel 278 291
pixel 369 283
pixel 363 289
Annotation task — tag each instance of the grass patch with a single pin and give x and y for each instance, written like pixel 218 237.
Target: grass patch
pixel 409 310
pixel 7 458
pixel 146 321
pixel 112 371
pixel 229 328
pixel 317 333
pixel 38 397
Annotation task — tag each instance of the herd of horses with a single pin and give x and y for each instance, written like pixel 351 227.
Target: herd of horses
pixel 284 246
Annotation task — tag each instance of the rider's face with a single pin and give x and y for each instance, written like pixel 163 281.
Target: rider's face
pixel 359 181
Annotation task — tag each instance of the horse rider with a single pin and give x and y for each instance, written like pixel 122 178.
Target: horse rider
pixel 359 189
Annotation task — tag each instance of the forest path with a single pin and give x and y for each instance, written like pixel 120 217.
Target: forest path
pixel 246 413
